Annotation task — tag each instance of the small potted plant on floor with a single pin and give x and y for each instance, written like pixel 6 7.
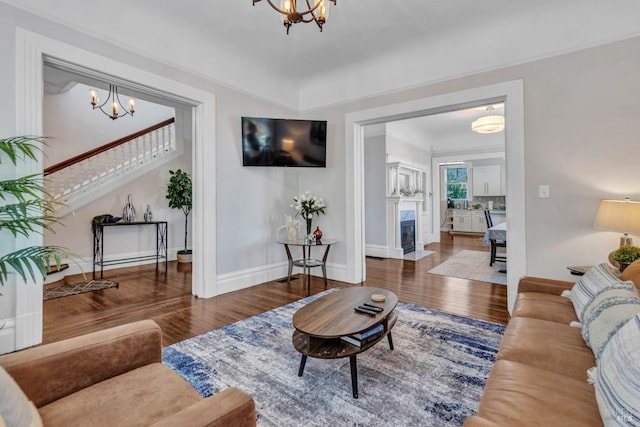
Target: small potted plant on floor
pixel 179 195
pixel 625 255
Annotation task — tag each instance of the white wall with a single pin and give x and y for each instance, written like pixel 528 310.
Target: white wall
pixel 375 187
pixel 572 143
pixel 467 141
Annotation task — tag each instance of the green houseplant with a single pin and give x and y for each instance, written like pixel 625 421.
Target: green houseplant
pixel 625 255
pixel 24 211
pixel 179 192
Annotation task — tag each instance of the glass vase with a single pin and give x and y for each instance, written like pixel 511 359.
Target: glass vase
pixel 309 226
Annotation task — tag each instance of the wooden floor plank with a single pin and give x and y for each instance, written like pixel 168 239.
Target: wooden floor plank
pixel 166 298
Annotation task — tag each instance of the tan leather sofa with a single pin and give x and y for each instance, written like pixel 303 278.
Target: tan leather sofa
pixel 539 378
pixel 116 377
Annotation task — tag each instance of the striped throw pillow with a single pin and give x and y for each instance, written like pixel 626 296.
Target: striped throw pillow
pixel 618 377
pixel 605 314
pixel 595 281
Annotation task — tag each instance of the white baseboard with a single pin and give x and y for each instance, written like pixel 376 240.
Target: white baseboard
pixel 7 335
pixel 236 280
pixel 84 265
pixel 378 251
pixel 227 282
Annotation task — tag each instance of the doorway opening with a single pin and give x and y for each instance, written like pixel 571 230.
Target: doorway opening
pixel 509 93
pixel 32 51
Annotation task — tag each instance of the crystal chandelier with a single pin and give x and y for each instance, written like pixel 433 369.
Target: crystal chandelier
pixel 113 100
pixel 317 13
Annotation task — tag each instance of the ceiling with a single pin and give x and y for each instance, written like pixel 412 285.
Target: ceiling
pixel 371 45
pixel 367 47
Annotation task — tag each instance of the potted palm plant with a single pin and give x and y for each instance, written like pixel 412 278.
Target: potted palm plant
pixel 179 195
pixel 25 210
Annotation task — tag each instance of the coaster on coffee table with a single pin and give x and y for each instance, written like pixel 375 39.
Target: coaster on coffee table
pixel 378 298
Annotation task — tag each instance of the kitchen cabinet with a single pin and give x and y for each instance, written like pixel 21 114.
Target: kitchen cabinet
pixel 462 220
pixel 487 181
pixel 470 221
pixel 478 222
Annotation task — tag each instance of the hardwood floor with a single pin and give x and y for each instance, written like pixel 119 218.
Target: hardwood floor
pixel 166 298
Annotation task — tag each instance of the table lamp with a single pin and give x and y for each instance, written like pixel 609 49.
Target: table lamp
pixel 619 215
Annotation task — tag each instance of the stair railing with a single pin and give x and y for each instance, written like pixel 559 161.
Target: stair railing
pixel 79 173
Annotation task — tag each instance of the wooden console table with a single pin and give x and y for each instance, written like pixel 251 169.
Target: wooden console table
pixel 98 245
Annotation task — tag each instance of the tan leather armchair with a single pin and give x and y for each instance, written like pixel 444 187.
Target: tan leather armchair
pixel 115 377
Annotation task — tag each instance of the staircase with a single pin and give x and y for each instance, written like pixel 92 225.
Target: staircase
pixel 86 177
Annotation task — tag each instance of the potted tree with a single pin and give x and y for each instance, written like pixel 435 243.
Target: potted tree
pixel 25 210
pixel 179 195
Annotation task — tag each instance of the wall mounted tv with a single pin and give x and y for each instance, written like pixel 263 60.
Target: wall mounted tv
pixel 284 142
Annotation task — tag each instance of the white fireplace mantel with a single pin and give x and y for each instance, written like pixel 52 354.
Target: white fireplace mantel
pixel 396 204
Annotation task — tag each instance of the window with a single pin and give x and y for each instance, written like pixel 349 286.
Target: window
pixel 457 180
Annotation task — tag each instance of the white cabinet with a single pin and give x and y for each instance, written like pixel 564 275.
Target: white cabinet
pixel 472 221
pixel 478 222
pixel 487 181
pixel 462 220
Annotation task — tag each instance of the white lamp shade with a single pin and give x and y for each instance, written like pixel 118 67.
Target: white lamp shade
pixel 488 124
pixel 618 215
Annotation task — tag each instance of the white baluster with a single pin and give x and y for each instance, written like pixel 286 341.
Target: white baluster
pixel 172 145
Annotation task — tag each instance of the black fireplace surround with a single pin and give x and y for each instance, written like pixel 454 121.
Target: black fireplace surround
pixel 408 235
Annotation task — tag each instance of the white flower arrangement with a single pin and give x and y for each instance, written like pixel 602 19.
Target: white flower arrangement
pixel 306 205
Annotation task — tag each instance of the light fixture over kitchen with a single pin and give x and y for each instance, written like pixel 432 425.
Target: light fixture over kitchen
pixel 488 124
pixel 113 102
pixel 317 13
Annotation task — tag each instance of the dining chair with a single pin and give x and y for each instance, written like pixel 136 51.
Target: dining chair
pixel 495 244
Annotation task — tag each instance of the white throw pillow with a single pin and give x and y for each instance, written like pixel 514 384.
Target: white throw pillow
pixel 595 281
pixel 618 377
pixel 605 314
pixel 15 408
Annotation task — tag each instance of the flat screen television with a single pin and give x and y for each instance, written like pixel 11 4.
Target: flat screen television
pixel 284 142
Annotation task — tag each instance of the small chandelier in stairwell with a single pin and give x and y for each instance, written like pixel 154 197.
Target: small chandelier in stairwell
pixel 113 100
pixel 488 124
pixel 317 13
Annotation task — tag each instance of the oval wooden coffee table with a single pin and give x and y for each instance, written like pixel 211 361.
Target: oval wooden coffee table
pixel 321 324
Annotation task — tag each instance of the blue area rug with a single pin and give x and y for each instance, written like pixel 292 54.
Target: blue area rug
pixel 434 377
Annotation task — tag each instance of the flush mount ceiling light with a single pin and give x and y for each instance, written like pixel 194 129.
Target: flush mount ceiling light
pixel 317 13
pixel 113 99
pixel 488 124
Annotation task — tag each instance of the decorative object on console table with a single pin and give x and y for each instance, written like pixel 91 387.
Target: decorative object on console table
pixel 306 205
pixel 318 233
pixel 619 215
pixel 179 192
pixel 148 216
pixel 129 212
